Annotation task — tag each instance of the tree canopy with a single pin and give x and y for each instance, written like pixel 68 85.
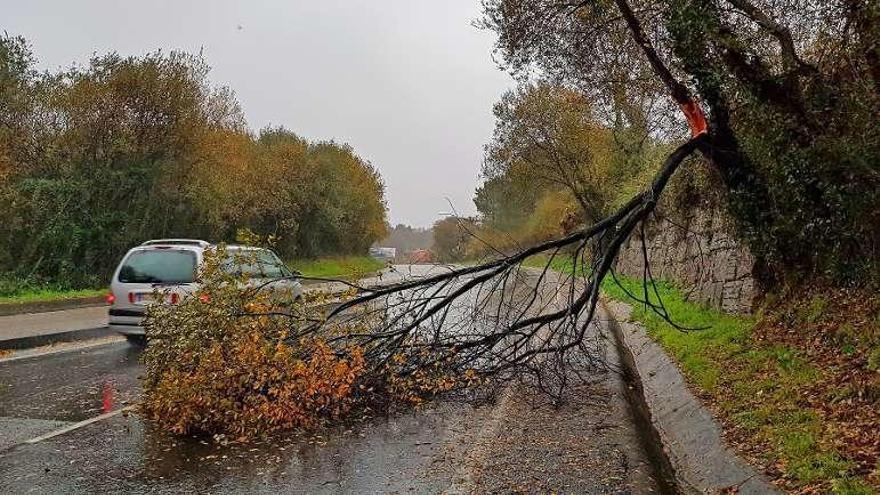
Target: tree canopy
pixel 98 158
pixel 791 89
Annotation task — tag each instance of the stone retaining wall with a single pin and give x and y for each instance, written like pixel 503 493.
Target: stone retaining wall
pixel 698 254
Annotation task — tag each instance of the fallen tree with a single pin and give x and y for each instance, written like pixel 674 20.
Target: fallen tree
pixel 233 361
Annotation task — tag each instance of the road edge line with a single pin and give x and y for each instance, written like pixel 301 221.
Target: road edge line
pixel 51 350
pixel 465 478
pixel 76 426
pixel 43 339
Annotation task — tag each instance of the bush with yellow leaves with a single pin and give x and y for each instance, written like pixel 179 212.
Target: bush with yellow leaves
pixel 220 362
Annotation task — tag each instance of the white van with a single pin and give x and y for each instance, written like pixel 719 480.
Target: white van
pixel 171 265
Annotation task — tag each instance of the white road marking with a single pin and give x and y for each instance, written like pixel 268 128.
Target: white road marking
pixel 60 348
pixel 465 478
pixel 75 426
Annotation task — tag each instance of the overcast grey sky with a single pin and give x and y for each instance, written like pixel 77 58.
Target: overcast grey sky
pixel 408 83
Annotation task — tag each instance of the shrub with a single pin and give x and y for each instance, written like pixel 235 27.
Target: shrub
pixel 221 362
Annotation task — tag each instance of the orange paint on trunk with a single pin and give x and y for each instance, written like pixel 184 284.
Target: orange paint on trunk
pixel 695 117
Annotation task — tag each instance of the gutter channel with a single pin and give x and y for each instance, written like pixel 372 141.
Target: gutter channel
pixel 635 395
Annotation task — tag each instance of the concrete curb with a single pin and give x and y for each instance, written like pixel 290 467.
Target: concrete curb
pixel 690 437
pixel 9 309
pixel 54 338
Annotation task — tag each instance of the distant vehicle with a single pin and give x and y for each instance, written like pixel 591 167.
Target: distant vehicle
pixel 420 256
pixel 171 265
pixel 383 253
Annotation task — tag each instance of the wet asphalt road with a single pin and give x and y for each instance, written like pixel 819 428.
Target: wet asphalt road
pixel 70 386
pixel 407 453
pixel 451 447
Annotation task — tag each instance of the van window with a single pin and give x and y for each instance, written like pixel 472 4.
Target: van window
pixel 159 266
pixel 254 263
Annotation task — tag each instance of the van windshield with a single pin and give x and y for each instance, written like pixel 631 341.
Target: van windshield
pixel 159 266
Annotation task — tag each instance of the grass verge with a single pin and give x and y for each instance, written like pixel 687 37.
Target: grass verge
pixel 803 410
pixel 48 295
pixel 346 267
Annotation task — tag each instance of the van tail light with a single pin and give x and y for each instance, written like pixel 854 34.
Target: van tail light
pixel 175 298
pixel 110 298
pixel 131 297
pixel 205 298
